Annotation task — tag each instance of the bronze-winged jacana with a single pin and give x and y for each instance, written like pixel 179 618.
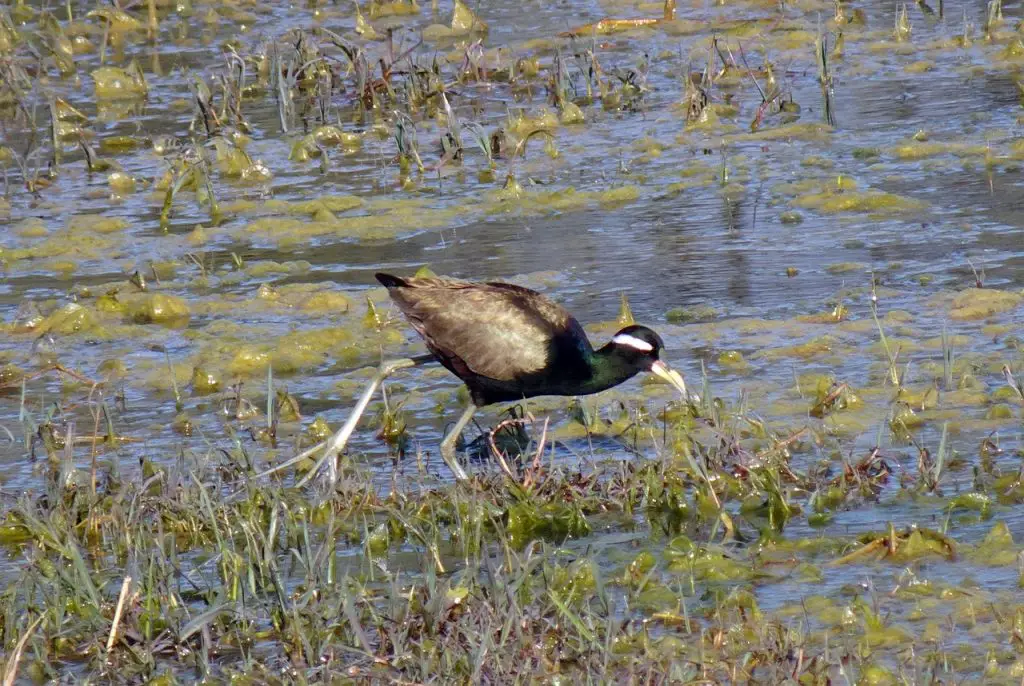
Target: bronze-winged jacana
pixel 506 343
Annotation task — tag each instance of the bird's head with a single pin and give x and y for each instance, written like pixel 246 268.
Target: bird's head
pixel 640 347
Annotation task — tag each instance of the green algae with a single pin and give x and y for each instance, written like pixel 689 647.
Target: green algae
pixel 397 220
pixel 204 381
pixel 69 319
pixel 567 200
pixel 570 114
pixel 979 303
pixel 121 184
pixel 999 411
pixel 997 549
pixel 924 398
pixel 528 521
pixel 733 360
pixel 158 308
pixel 266 268
pixel 227 350
pixel 95 223
pixel 829 396
pixel 795 131
pixel 327 302
pixel 115 83
pixel 680 315
pixel 390 8
pixel 845 267
pixel 313 145
pixel 975 502
pixel 711 118
pixel 918 150
pixel 815 347
pixel 837 183
pixel 876 202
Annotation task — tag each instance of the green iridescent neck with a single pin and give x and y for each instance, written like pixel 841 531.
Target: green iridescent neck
pixel 607 368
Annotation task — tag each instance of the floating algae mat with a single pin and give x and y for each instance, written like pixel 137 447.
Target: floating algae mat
pixel 817 206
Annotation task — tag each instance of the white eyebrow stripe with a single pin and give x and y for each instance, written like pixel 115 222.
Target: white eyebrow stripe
pixel 633 342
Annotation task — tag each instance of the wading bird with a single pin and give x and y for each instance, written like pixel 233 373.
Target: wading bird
pixel 508 343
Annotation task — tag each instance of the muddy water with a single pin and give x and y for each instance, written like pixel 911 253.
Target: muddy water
pixel 726 241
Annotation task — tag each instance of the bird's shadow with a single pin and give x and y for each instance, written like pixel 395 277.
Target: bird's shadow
pixel 510 437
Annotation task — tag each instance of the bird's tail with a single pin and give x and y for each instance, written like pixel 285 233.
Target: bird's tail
pixel 389 281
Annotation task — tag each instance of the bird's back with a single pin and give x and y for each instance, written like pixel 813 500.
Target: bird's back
pixel 501 339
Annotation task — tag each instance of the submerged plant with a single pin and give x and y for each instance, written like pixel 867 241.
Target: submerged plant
pixel 188 172
pixel 825 76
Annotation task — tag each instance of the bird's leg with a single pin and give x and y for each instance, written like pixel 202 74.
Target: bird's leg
pixel 448 444
pixel 336 443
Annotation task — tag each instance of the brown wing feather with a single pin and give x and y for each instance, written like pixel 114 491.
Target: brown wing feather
pixel 495 330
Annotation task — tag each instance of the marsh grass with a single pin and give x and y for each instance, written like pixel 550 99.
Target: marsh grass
pixel 203 570
pixel 891 353
pixel 825 77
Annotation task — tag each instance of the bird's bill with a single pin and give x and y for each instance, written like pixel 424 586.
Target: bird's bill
pixel 666 373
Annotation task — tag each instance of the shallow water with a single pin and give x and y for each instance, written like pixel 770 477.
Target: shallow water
pixel 700 224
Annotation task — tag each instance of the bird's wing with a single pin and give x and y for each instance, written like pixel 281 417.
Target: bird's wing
pixel 495 330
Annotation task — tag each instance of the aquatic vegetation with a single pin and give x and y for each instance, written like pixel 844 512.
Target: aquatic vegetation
pixel 114 83
pixel 978 303
pixel 158 308
pixel 834 201
pixel 381 8
pixel 464 21
pixel 816 210
pixel 610 25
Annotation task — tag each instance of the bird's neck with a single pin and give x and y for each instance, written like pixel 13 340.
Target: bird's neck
pixel 607 369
